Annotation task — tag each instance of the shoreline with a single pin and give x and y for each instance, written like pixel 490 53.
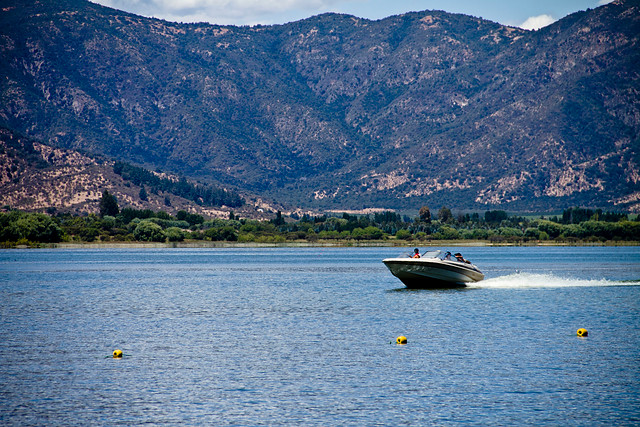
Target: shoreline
pixel 301 244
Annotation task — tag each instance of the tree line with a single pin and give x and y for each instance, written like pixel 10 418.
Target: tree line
pixel 205 195
pixel 145 225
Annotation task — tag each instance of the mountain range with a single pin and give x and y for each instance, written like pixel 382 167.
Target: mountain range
pixel 336 112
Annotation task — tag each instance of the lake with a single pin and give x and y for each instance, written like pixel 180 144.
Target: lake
pixel 306 336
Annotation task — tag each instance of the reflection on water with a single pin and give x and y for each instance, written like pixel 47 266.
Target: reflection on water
pixel 454 289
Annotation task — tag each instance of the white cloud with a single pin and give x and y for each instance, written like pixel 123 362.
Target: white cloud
pixel 236 12
pixel 537 22
pixel 603 2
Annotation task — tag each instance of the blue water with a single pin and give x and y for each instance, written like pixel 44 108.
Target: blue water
pixel 284 336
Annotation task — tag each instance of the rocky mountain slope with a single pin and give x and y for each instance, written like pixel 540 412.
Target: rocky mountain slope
pixel 36 176
pixel 338 112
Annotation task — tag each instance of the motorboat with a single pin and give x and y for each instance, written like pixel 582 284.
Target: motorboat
pixel 434 269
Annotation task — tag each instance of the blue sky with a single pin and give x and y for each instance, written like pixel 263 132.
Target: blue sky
pixel 530 14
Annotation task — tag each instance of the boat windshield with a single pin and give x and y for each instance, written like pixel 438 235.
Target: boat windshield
pixel 431 254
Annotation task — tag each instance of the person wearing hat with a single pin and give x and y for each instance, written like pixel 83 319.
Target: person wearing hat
pixel 416 253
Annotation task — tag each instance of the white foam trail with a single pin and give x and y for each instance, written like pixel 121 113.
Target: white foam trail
pixel 532 280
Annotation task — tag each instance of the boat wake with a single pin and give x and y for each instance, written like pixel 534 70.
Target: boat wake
pixel 532 280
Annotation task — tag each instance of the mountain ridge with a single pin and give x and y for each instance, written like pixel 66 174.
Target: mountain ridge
pixel 340 112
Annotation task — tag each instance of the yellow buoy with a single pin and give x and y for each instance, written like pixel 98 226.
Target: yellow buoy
pixel 117 353
pixel 582 332
pixel 401 340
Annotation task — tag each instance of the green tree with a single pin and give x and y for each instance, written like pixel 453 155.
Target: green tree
pixel 373 233
pixel 147 231
pixel 495 216
pixel 174 234
pixel 35 227
pixel 278 220
pixel 358 233
pixel 480 234
pixel 403 234
pixel 551 228
pixel 246 237
pixel 89 234
pixel 425 214
pixel 447 233
pixel 108 204
pixel 108 222
pixel 143 194
pixel 532 233
pixel 445 215
pixel 226 233
pixel 509 232
pixel 192 219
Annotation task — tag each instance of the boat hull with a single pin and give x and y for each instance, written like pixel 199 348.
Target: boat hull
pixel 432 273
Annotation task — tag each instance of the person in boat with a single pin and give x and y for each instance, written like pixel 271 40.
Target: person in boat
pixel 460 258
pixel 416 253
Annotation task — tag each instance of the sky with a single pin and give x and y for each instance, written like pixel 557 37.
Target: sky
pixel 529 14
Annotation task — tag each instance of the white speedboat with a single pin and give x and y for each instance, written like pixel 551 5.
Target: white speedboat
pixel 434 269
